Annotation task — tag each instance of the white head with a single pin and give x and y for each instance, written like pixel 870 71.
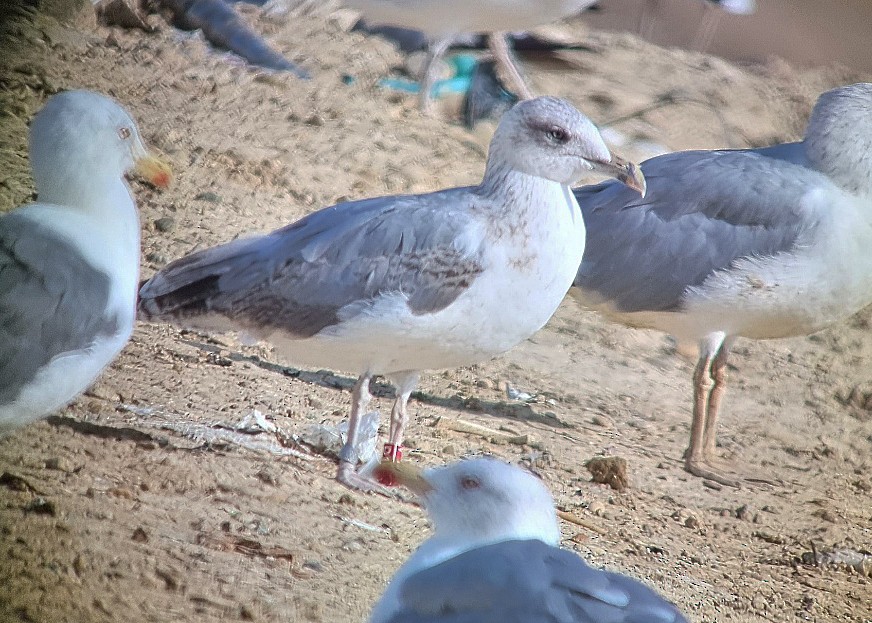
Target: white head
pixel 838 140
pixel 548 137
pixel 79 141
pixel 480 501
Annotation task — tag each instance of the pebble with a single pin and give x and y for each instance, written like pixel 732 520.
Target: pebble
pixel 165 224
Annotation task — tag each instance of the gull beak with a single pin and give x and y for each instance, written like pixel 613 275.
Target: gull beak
pixel 624 171
pixel 404 474
pixel 153 170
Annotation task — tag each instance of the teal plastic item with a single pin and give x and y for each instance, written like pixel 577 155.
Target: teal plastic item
pixel 462 65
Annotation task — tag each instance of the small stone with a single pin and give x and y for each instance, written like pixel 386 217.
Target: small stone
pixel 169 576
pixel 609 470
pixel 267 476
pixel 103 392
pixel 41 506
pixel 827 515
pixel 140 535
pixel 165 224
pixel 758 603
pixel 79 565
pixel 346 498
pixel 208 196
pixel 57 463
pixel 596 508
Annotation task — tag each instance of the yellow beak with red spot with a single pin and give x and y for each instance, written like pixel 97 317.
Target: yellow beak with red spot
pixel 404 474
pixel 154 170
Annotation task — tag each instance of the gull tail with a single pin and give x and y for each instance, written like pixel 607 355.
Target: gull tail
pixel 195 289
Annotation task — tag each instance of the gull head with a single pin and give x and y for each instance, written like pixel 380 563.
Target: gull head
pixel 548 137
pixel 838 140
pixel 481 501
pixel 79 140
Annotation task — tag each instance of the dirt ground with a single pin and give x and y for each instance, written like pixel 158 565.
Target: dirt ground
pixel 117 509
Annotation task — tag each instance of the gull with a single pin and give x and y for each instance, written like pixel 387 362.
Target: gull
pixel 713 11
pixel 69 263
pixel 443 20
pixel 758 243
pixel 399 284
pixel 495 557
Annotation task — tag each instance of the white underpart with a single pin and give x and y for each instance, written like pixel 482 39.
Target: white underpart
pixel 826 278
pixel 445 17
pixel 508 302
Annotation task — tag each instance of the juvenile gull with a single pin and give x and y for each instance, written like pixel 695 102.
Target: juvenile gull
pixel 495 557
pixel 69 264
pixel 443 20
pixel 399 284
pixel 761 243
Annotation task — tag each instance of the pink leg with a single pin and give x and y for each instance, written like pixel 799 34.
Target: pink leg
pixel 712 354
pixel 648 18
pixel 405 385
pixel 431 71
pixel 705 33
pixel 700 400
pixel 346 474
pixel 503 56
pixel 393 451
pixel 719 376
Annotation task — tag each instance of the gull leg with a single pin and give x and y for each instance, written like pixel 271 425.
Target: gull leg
pixel 694 453
pixel 405 385
pixel 435 52
pixel 346 474
pixel 696 457
pixel 719 376
pixel 499 46
pixel 647 18
pixel 705 33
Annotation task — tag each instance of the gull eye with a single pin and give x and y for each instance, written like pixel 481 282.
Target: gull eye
pixel 468 482
pixel 557 135
pixel 124 133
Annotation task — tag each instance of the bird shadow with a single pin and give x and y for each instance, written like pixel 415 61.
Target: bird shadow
pixel 124 433
pixel 511 410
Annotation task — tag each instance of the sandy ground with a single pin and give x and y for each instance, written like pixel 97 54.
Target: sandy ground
pixel 117 509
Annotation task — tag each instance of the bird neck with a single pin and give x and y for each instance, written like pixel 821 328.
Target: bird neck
pixel 516 192
pixel 100 195
pixel 533 521
pixel 103 211
pixel 838 140
pixel 849 167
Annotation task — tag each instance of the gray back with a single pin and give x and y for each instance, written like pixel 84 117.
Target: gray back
pixel 298 278
pixel 51 301
pixel 525 581
pixel 703 210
